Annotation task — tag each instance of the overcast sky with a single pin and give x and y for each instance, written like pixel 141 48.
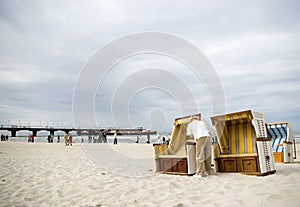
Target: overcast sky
pixel 254 47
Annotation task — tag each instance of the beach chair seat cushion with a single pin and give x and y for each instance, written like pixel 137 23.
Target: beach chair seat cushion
pixel 238 155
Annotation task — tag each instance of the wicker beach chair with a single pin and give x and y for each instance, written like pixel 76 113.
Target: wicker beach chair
pixel 243 144
pixel 177 157
pixel 283 140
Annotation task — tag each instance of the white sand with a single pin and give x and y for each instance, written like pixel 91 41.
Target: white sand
pixel 42 174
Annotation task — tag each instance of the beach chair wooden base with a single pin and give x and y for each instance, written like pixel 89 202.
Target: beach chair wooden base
pixel 169 164
pixel 246 165
pixel 173 165
pixel 179 165
pixel 238 164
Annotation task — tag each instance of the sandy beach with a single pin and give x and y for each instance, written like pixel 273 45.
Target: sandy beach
pixel 42 174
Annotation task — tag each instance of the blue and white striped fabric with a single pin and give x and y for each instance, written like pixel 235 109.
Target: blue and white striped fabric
pixel 278 134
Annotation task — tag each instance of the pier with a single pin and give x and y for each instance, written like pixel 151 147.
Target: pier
pixel 79 131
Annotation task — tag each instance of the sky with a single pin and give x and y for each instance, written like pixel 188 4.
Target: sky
pixel 253 46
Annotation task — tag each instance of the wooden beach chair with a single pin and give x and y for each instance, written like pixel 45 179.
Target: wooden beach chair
pixel 283 140
pixel 243 144
pixel 178 157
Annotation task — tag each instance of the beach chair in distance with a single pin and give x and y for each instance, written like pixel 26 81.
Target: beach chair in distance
pixel 243 144
pixel 283 140
pixel 179 156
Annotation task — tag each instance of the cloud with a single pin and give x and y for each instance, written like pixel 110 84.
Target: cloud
pixel 253 46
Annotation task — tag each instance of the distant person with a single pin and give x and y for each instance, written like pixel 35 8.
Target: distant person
pixel 29 138
pixel 2 137
pixel 168 141
pixel 105 137
pixel 49 138
pixel 32 137
pixel 169 136
pixel 58 138
pixel 148 138
pixel 70 140
pixel 66 138
pixel 115 138
pixel 137 139
pixel 6 138
pixel 164 140
pixel 82 140
pixel 101 138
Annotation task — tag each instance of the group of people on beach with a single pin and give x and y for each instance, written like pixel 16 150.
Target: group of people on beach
pixel 50 138
pixel 4 137
pixel 164 139
pixel 138 139
pixel 101 138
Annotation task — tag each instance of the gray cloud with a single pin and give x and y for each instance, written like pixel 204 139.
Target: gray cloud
pixel 254 47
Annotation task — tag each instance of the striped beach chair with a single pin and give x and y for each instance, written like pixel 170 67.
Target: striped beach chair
pixel 242 145
pixel 283 140
pixel 178 157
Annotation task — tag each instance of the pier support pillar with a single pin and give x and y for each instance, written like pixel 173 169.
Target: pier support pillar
pixel 34 132
pixel 13 133
pixel 66 131
pixel 52 131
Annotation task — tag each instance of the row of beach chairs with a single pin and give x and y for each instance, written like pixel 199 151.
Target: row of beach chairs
pixel 246 144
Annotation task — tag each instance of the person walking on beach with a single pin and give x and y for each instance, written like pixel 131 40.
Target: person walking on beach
pixel 148 138
pixel 105 137
pixel 66 137
pixel 115 138
pixel 101 138
pixel 32 137
pixel 198 131
pixel 70 139
pixel 58 138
